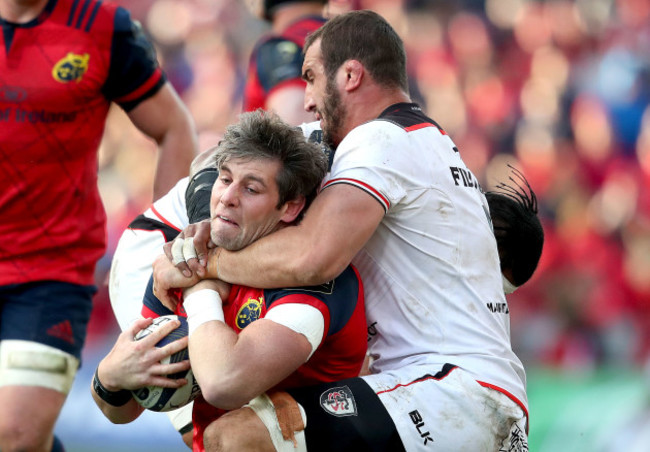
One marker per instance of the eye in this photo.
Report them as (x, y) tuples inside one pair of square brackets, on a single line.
[(225, 180), (251, 190)]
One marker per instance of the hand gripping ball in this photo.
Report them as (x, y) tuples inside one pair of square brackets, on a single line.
[(155, 398)]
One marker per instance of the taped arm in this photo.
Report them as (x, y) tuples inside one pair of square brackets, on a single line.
[(336, 226), (234, 368)]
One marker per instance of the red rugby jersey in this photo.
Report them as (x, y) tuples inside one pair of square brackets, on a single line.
[(58, 75), (341, 352), (277, 61)]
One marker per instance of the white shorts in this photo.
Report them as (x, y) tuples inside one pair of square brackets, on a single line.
[(449, 410)]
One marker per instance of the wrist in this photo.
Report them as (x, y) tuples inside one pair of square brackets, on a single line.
[(116, 398), (213, 263), (105, 380), (204, 284), (202, 306)]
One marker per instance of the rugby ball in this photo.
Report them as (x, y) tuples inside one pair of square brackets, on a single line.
[(155, 398)]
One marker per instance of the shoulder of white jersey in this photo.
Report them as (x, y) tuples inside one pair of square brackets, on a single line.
[(171, 208)]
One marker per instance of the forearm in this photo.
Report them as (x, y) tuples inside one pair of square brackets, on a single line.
[(164, 118), (118, 415), (223, 379), (335, 227), (176, 150), (216, 364), (122, 408), (234, 368), (270, 262)]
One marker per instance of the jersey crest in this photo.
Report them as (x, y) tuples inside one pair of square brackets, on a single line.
[(250, 311), (70, 68)]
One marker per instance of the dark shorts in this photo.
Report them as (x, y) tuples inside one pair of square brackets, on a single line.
[(346, 416), (48, 312)]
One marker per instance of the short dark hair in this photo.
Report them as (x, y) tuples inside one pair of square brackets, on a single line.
[(367, 37), (261, 134), (517, 228)]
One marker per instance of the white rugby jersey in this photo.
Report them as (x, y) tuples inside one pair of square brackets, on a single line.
[(139, 246), (431, 269)]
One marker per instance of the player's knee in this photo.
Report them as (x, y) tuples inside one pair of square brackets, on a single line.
[(213, 437), (16, 438), (34, 380), (231, 432)]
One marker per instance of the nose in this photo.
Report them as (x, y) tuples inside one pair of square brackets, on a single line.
[(229, 195), (309, 104)]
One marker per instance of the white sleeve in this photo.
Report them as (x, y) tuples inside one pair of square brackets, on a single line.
[(301, 318), (370, 158), (171, 208)]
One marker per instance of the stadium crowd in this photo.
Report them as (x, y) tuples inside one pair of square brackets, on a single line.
[(558, 88)]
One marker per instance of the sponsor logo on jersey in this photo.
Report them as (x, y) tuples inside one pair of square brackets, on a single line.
[(339, 402), (372, 331), (249, 312), (417, 420), (70, 68), (516, 442), (464, 177), (498, 308), (12, 94)]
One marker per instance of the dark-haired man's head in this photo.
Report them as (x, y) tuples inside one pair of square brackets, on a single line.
[(517, 229)]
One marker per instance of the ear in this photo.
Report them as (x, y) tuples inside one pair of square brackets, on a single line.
[(354, 73), (292, 209)]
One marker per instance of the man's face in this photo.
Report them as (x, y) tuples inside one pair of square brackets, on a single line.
[(322, 96), (243, 206)]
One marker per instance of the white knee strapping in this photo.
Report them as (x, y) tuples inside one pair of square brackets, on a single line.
[(24, 363), (265, 410), (180, 417)]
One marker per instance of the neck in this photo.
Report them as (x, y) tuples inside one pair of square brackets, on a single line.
[(285, 15), (21, 11), (368, 103)]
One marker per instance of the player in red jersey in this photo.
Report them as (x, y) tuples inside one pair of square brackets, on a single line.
[(274, 337), (274, 80), (62, 63)]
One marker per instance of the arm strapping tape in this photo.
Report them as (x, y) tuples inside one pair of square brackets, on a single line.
[(202, 306)]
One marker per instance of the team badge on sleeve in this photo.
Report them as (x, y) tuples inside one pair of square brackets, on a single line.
[(249, 312), (339, 402)]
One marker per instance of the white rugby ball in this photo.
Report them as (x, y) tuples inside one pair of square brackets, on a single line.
[(155, 398)]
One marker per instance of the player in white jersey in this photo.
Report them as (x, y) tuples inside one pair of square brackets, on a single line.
[(401, 204)]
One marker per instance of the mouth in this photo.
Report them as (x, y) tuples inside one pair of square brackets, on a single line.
[(225, 219)]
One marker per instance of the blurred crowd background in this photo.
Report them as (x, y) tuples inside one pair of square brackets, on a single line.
[(559, 89)]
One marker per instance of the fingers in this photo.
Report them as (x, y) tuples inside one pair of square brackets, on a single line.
[(163, 370), (173, 347), (165, 382), (167, 249), (201, 243), (189, 250), (159, 333), (166, 277), (136, 326), (183, 249)]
